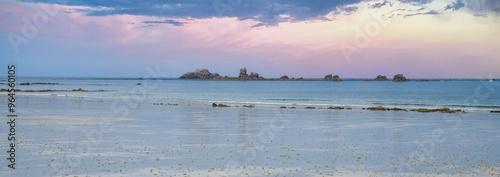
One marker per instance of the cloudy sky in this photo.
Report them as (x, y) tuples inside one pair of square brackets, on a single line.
[(299, 38)]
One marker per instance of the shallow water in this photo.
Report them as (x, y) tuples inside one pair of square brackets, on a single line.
[(81, 135), (470, 95)]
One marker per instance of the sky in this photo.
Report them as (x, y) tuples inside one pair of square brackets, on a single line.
[(298, 38)]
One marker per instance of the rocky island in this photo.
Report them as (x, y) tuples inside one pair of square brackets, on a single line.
[(381, 78), (329, 77), (378, 78), (205, 74), (244, 76), (400, 78), (200, 74)]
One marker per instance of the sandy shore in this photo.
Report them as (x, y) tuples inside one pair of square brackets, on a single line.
[(113, 137)]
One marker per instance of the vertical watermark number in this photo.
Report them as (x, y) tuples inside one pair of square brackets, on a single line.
[(11, 92)]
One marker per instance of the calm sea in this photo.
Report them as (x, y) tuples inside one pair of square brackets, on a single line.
[(471, 95)]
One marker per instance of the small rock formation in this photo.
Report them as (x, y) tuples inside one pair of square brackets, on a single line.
[(285, 77), (243, 72), (399, 78), (43, 83), (381, 108), (329, 77), (244, 76), (442, 110), (219, 105), (200, 74), (254, 75), (381, 78), (79, 90)]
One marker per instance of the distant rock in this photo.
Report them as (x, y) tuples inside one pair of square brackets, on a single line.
[(427, 80), (43, 83), (399, 78), (200, 74), (442, 110), (254, 75), (329, 77), (244, 76), (381, 108), (219, 105), (243, 72), (381, 78), (285, 77), (79, 90)]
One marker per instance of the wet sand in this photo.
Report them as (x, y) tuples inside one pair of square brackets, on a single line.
[(81, 136)]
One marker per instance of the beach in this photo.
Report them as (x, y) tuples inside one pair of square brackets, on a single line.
[(126, 133), (249, 88)]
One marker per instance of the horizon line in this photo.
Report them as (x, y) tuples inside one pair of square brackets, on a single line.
[(174, 78)]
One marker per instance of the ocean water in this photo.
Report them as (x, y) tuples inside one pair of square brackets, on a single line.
[(469, 95)]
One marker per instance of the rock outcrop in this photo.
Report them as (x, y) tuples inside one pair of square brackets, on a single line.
[(329, 77), (442, 110), (219, 105), (381, 78), (399, 78), (200, 74), (381, 108), (244, 76), (285, 77), (243, 72), (254, 75), (337, 107)]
